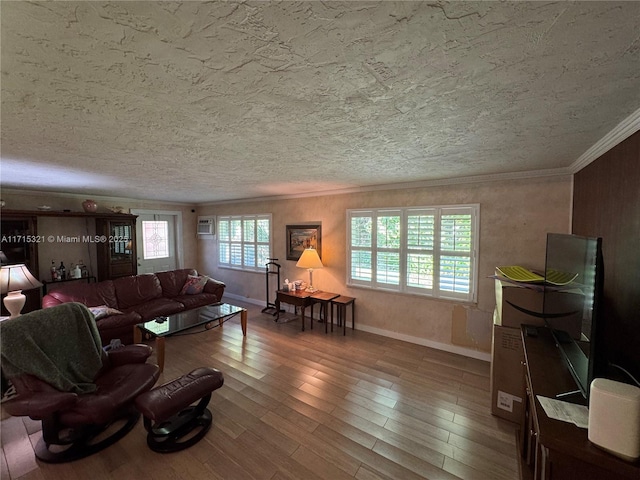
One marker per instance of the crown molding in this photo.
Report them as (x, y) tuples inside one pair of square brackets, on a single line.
[(621, 132), (83, 196), (443, 182), (498, 177)]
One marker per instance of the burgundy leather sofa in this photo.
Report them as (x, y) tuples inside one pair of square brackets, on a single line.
[(140, 298)]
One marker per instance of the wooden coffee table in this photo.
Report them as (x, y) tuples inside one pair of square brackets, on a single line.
[(210, 316)]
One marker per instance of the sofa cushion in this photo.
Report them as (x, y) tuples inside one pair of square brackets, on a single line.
[(196, 301), (158, 307), (137, 290), (103, 311), (90, 294), (194, 285), (172, 281)]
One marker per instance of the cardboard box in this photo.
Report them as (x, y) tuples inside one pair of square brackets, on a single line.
[(507, 374), (513, 302)]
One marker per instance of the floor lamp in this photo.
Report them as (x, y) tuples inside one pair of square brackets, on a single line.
[(310, 260), (14, 279)]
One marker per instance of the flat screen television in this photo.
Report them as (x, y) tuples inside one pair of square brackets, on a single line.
[(571, 306)]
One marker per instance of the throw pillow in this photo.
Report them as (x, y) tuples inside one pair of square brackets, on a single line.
[(194, 285), (104, 311)]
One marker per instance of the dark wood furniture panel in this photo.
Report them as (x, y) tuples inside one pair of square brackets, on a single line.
[(606, 203), (551, 449)]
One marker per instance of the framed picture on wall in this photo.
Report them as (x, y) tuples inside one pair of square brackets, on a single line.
[(300, 237)]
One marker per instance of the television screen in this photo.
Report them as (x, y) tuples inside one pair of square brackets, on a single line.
[(573, 287)]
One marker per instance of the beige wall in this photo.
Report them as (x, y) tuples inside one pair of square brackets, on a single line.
[(73, 226), (514, 219)]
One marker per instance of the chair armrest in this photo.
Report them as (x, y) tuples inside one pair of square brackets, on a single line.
[(137, 353), (39, 405)]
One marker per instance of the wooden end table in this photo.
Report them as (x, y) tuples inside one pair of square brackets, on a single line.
[(324, 299), (298, 298)]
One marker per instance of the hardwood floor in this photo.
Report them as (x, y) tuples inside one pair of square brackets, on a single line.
[(305, 405)]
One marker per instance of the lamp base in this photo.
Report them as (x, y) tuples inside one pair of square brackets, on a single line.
[(14, 301), (311, 289)]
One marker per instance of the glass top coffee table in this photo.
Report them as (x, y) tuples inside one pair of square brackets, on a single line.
[(209, 317)]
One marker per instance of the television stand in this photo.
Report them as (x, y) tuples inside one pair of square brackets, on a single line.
[(552, 449)]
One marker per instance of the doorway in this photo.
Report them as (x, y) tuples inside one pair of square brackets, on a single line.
[(158, 240)]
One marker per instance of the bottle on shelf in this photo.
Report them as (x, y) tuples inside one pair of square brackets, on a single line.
[(54, 271), (62, 271), (77, 272), (83, 269)]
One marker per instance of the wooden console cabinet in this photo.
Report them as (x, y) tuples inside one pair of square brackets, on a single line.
[(116, 255), (551, 449)]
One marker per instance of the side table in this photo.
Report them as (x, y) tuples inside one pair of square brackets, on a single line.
[(88, 279), (341, 303), (324, 299), (297, 298)]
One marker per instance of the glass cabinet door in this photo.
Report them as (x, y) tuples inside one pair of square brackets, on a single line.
[(117, 255), (121, 242)]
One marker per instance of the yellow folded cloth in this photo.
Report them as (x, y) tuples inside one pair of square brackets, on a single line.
[(520, 274)]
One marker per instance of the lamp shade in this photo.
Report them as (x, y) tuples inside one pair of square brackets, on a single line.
[(309, 259), (17, 277)]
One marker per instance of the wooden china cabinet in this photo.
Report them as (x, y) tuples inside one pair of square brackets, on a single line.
[(117, 246)]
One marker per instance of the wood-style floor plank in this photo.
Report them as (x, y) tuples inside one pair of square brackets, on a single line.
[(305, 405)]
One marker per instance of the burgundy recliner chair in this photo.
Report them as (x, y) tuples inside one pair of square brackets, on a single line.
[(64, 378)]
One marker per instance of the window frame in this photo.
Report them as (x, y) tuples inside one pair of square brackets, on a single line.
[(242, 243), (404, 250)]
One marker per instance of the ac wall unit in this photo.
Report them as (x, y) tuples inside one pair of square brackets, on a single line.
[(206, 226)]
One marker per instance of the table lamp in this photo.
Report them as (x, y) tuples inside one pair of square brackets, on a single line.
[(14, 279), (310, 260)]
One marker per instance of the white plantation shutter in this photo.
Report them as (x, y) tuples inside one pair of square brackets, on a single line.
[(244, 241), (387, 235), (455, 251), (420, 250)]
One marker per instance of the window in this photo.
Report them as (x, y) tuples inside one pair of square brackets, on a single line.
[(155, 239), (244, 241), (420, 250)]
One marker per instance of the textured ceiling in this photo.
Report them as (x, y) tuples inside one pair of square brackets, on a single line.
[(210, 101)]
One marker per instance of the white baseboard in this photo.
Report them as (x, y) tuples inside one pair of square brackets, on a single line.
[(465, 352), (253, 301)]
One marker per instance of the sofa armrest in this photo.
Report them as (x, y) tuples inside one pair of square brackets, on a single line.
[(50, 301), (137, 353), (214, 286)]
